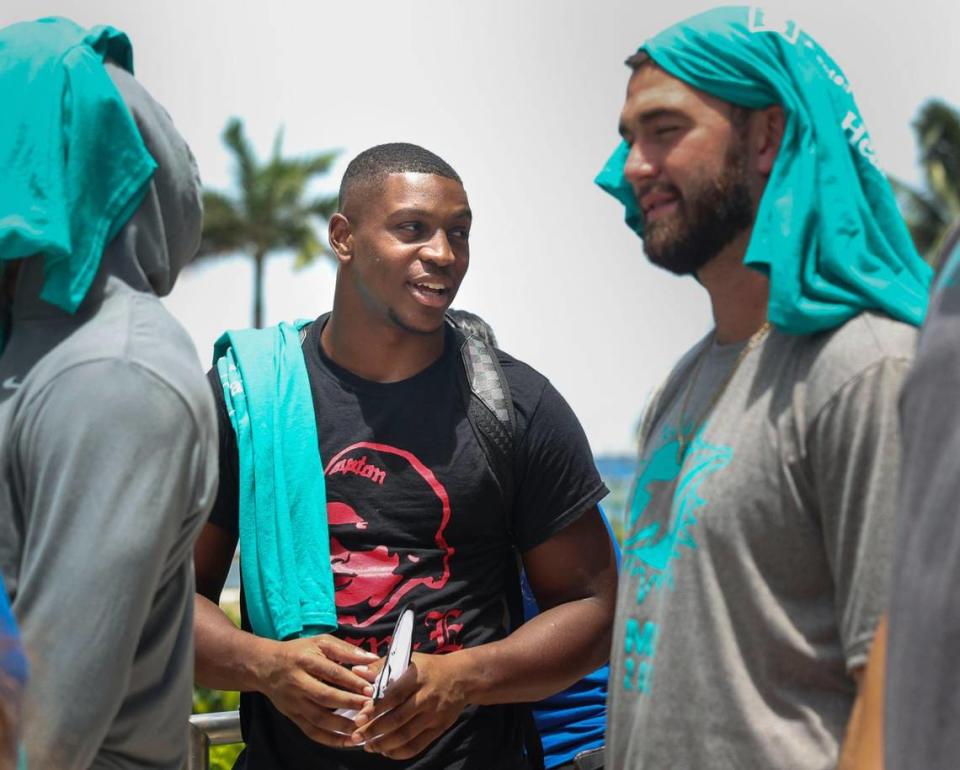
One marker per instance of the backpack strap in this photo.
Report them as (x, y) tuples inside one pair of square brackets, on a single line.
[(492, 416), (489, 407), (305, 329)]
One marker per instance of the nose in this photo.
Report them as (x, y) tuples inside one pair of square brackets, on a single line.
[(437, 250), (639, 167)]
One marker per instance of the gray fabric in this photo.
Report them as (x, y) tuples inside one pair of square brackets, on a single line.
[(923, 677), (107, 472), (754, 574)]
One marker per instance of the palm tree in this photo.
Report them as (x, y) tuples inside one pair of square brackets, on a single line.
[(271, 210), (931, 211)]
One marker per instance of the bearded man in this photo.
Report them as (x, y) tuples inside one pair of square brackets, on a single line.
[(756, 555)]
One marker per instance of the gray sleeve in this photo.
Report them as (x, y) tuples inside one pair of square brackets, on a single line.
[(923, 678), (113, 476), (853, 447)]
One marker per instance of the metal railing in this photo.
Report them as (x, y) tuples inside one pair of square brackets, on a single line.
[(206, 730), (223, 728)]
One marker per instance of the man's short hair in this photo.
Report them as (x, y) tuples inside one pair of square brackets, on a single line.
[(370, 166), (639, 60)]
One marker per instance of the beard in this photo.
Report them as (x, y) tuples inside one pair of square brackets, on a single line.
[(706, 219)]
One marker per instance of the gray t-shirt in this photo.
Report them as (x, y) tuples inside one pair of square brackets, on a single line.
[(923, 677), (108, 468), (755, 566)]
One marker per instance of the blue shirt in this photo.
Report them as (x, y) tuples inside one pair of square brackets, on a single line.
[(574, 720)]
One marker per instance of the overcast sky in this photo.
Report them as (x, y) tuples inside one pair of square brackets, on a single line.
[(522, 98)]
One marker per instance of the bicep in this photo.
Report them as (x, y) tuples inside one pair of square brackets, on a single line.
[(577, 562), (212, 557)]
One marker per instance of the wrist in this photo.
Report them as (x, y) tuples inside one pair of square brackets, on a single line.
[(261, 658), (470, 673)]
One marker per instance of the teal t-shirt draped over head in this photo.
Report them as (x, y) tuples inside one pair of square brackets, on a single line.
[(73, 166), (827, 233)]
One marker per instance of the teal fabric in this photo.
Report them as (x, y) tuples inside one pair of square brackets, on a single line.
[(284, 539), (828, 233), (73, 167)]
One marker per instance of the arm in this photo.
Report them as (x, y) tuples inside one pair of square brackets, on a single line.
[(863, 745), (306, 679), (109, 519), (855, 444), (574, 577)]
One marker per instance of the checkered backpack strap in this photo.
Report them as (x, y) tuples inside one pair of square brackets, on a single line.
[(490, 408), (494, 421)]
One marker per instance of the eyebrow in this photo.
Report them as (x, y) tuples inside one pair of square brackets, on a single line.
[(464, 213), (650, 116)]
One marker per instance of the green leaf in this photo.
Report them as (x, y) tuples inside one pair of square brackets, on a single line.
[(271, 208)]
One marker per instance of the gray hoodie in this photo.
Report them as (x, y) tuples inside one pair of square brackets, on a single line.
[(108, 468)]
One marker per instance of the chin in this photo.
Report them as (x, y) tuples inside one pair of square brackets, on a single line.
[(422, 326)]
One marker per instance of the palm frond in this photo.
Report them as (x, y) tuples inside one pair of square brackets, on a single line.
[(273, 209), (224, 229), (236, 139), (938, 134)]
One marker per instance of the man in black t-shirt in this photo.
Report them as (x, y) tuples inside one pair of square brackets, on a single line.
[(415, 515)]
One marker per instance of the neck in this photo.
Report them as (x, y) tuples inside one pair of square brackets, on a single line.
[(738, 293), (379, 351)]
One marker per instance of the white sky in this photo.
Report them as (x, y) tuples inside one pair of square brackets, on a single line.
[(522, 98)]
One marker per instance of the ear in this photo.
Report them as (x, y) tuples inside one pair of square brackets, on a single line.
[(340, 236), (768, 128)]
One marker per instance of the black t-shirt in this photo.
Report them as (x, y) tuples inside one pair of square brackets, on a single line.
[(416, 515)]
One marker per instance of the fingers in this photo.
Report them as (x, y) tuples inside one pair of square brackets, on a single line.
[(417, 708), (335, 675), (325, 727), (343, 652), (399, 692), (369, 673), (408, 739), (390, 713), (329, 697)]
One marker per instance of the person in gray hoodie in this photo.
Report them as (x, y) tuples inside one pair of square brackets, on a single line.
[(108, 469)]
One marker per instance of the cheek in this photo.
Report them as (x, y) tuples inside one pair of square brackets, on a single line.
[(688, 166)]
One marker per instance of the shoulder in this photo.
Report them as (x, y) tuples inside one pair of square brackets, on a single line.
[(543, 415), (131, 360), (528, 389), (152, 345), (134, 337), (832, 360), (114, 394), (526, 383)]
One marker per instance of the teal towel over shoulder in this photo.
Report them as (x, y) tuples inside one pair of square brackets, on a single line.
[(73, 167), (284, 538), (828, 233)]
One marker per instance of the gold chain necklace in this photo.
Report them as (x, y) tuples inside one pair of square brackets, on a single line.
[(685, 435)]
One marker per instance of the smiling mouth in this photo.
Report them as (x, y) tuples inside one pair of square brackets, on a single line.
[(429, 293), (660, 208)]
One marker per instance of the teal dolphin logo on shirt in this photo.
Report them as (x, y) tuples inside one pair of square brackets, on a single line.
[(658, 533), (654, 542)]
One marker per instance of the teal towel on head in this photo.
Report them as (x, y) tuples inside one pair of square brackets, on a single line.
[(73, 167), (828, 233), (284, 538)]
